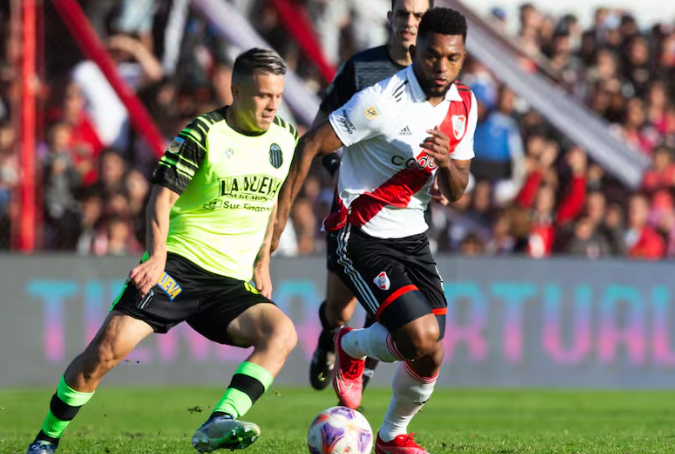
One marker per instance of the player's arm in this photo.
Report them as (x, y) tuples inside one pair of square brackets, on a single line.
[(146, 275), (261, 272), (330, 161), (454, 178), (453, 169), (352, 123), (319, 140), (265, 252), (171, 177), (338, 94)]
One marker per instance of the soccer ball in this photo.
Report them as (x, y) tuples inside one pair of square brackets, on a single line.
[(340, 430)]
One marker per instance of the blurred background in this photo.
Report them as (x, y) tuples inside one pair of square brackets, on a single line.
[(75, 157), (572, 188)]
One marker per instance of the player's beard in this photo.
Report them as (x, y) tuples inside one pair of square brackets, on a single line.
[(432, 91)]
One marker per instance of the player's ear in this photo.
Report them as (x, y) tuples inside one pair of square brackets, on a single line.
[(389, 20), (413, 51), (235, 91)]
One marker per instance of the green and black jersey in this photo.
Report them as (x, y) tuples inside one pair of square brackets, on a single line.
[(228, 185)]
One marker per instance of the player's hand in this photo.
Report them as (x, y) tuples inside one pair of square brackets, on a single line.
[(437, 145), (146, 275), (262, 278)]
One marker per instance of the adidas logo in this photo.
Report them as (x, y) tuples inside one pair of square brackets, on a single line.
[(405, 131)]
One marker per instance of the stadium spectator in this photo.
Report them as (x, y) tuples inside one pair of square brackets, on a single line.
[(84, 142), (9, 177), (111, 176), (116, 238), (642, 240), (622, 69), (498, 142), (91, 209), (539, 195), (661, 175), (304, 225), (502, 241), (137, 66), (61, 180)]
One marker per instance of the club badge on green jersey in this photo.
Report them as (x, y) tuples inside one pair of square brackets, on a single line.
[(276, 156)]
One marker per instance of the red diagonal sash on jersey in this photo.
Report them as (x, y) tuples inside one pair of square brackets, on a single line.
[(396, 191), (399, 189)]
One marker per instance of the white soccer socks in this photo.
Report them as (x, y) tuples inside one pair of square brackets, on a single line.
[(411, 392), (374, 342)]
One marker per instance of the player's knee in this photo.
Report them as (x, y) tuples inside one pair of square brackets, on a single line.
[(283, 337), (420, 338), (436, 356)]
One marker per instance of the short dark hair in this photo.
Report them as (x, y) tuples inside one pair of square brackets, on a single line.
[(444, 21), (393, 4), (263, 60)]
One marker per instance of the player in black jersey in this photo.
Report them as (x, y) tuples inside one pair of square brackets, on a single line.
[(364, 69)]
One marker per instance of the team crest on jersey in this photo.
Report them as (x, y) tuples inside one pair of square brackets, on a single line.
[(229, 153), (276, 156), (176, 145), (458, 125), (382, 281), (372, 113)]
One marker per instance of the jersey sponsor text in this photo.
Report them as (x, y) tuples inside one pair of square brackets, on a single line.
[(250, 187)]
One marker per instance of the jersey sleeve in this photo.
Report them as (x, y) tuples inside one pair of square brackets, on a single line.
[(182, 158), (464, 149), (365, 116), (341, 90)]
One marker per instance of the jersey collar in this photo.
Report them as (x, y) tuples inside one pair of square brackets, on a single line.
[(418, 94)]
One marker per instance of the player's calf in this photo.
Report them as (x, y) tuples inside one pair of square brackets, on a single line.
[(116, 338), (118, 335), (274, 341), (272, 335), (334, 313), (413, 386)]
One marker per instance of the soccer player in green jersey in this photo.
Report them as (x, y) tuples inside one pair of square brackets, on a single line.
[(210, 219)]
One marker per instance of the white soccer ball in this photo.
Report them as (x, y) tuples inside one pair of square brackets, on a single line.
[(340, 430)]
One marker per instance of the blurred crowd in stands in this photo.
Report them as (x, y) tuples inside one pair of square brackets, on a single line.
[(532, 192)]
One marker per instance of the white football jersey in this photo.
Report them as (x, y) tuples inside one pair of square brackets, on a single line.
[(384, 174)]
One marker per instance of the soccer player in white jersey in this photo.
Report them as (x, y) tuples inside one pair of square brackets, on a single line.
[(398, 135), (362, 70)]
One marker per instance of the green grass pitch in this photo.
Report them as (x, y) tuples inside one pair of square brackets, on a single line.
[(162, 420)]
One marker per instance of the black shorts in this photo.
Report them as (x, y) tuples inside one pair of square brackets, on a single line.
[(208, 302), (331, 241), (332, 264), (395, 280)]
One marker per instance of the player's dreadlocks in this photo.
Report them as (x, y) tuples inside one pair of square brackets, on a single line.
[(264, 60), (444, 21)]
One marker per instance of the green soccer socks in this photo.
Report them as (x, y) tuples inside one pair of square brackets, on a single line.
[(65, 404), (249, 382)]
